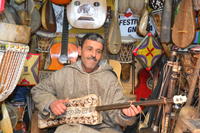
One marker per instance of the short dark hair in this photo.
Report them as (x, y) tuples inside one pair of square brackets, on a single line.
[(94, 37)]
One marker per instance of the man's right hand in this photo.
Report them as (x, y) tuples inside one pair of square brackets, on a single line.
[(58, 107)]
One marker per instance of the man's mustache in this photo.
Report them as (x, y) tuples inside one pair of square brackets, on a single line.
[(92, 58)]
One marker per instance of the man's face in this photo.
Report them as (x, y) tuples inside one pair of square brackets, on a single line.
[(91, 53)]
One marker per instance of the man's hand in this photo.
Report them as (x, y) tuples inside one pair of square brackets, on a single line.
[(58, 106), (132, 110)]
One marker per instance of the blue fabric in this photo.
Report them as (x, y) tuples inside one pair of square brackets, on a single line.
[(19, 94)]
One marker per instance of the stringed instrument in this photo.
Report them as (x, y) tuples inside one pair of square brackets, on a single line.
[(114, 37), (86, 14), (64, 52), (48, 17), (183, 31), (85, 110), (142, 26)]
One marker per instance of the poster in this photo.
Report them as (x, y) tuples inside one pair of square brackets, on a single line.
[(128, 25)]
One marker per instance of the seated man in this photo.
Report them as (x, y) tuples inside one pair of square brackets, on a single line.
[(89, 75)]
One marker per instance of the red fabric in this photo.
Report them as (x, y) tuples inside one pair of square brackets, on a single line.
[(143, 90)]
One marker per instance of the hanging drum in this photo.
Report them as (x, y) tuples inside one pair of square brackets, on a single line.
[(125, 54), (125, 57), (12, 58)]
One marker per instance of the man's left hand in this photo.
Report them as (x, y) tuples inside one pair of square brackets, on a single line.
[(132, 110)]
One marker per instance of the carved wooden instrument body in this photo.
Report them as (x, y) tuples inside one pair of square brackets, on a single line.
[(85, 110), (87, 14), (55, 53), (48, 17), (184, 25), (114, 36), (142, 27)]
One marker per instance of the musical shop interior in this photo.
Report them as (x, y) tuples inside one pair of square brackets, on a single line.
[(152, 48)]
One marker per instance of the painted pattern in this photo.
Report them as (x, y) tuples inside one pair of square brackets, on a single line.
[(148, 51)]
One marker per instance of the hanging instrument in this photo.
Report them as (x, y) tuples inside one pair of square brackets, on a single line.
[(63, 53), (12, 58), (183, 31), (86, 14)]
